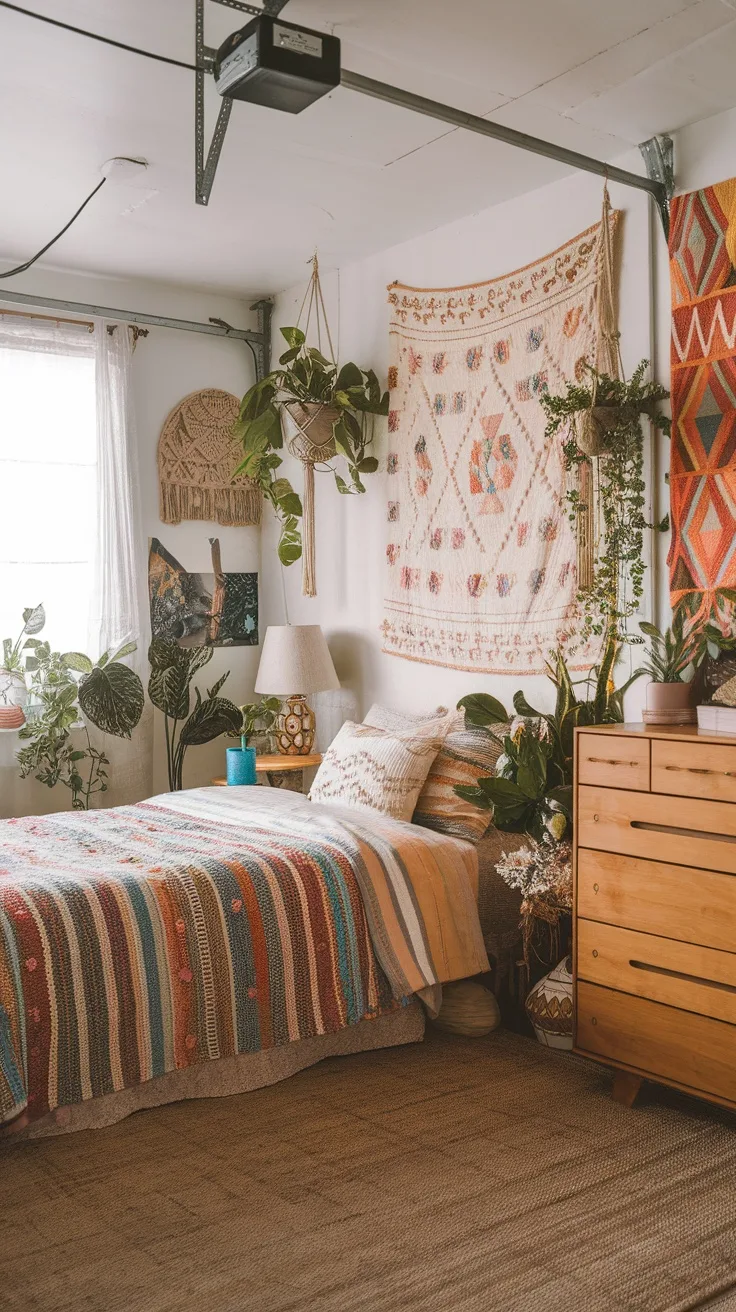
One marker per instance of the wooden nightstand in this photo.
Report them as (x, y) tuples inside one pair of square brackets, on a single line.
[(282, 771)]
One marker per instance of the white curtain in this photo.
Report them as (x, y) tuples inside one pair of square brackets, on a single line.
[(117, 611)]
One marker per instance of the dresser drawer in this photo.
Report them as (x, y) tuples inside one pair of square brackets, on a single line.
[(662, 1041), (693, 769), (678, 974), (681, 830), (678, 902), (613, 762)]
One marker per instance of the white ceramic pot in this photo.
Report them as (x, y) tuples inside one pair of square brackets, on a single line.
[(13, 691), (549, 1006)]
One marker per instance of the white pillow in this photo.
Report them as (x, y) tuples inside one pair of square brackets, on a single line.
[(373, 770), (384, 717)]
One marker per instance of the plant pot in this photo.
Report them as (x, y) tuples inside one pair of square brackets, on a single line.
[(13, 691), (549, 1007), (241, 765), (669, 703), (311, 430)]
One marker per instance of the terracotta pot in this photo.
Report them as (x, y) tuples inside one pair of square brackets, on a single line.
[(669, 703)]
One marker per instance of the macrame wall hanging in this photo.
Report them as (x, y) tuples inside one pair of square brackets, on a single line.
[(197, 454), (309, 428), (590, 431)]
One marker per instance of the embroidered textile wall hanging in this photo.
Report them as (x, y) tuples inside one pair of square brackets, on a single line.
[(201, 610), (481, 556), (197, 454), (702, 556)]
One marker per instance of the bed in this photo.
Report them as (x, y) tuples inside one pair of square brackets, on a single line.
[(213, 940)]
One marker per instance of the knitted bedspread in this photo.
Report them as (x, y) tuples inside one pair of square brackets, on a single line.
[(143, 939)]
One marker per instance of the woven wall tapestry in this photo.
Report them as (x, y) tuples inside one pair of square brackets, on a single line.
[(703, 452), (197, 455), (201, 610), (481, 556)]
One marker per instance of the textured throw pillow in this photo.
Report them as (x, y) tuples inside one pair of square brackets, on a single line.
[(372, 770), (466, 755), (384, 717)]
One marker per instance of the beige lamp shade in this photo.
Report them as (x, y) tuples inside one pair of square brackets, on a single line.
[(295, 659)]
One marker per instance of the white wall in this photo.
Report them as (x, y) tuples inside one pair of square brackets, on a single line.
[(168, 364), (351, 531)]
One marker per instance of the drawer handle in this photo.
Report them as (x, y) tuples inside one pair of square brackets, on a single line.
[(681, 974), (691, 769), (604, 760), (681, 833)]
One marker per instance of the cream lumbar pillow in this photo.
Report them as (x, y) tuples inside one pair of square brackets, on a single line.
[(373, 770)]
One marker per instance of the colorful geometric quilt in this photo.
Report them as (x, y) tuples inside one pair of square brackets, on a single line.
[(144, 939), (481, 556), (703, 457)]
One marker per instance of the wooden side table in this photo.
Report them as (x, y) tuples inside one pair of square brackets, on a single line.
[(282, 771)]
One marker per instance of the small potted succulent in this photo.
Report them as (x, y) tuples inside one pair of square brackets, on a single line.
[(675, 660), (257, 718)]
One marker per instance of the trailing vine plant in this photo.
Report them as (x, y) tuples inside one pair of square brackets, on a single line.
[(616, 407)]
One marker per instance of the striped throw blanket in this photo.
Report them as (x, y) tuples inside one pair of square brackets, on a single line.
[(142, 939)]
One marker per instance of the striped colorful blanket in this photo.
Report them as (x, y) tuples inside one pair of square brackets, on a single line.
[(142, 939)]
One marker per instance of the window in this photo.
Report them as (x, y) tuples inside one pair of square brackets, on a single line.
[(48, 483)]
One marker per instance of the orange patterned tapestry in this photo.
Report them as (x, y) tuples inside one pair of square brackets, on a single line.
[(481, 555), (702, 557)]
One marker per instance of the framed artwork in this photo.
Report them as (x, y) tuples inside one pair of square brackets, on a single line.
[(214, 609)]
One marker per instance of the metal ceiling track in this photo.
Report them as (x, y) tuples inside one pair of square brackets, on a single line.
[(657, 152)]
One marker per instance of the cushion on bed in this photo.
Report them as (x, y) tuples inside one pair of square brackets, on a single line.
[(466, 755), (385, 717), (374, 770)]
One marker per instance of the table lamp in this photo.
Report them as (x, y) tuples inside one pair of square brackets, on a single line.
[(295, 656)]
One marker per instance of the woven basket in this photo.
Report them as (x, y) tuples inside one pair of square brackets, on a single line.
[(310, 433), (468, 1009)]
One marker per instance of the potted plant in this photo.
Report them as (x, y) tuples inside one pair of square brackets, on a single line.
[(327, 410), (674, 660), (13, 688), (72, 693), (172, 670), (601, 416), (241, 761)]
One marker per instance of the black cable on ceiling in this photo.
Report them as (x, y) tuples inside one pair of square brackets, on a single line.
[(9, 273), (95, 36)]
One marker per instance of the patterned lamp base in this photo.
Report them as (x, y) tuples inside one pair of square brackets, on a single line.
[(295, 727)]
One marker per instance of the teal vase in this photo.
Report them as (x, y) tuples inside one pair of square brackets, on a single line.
[(241, 765)]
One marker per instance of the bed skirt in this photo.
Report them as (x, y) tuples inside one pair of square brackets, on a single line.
[(230, 1075)]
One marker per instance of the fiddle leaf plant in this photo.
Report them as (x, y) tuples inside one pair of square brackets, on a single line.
[(172, 671), (71, 693), (306, 377)]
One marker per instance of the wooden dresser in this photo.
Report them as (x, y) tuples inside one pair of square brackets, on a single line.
[(655, 907)]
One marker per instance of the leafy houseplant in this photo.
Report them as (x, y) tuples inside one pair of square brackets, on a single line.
[(531, 791), (13, 690), (328, 406), (71, 693), (614, 409), (677, 654), (169, 688)]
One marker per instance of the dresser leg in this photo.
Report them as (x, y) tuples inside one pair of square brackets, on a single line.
[(626, 1087)]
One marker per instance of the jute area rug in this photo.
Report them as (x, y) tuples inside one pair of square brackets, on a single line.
[(450, 1176)]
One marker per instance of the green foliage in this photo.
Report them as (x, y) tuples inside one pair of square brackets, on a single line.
[(677, 654), (34, 618), (618, 585), (65, 687), (261, 716), (172, 670), (305, 375), (531, 791)]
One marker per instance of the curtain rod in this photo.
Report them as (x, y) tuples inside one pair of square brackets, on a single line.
[(78, 323), (134, 317)]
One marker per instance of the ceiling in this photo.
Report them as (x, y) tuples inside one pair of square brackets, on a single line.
[(350, 175)]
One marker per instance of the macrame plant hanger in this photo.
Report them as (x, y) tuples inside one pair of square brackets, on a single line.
[(590, 431), (310, 428)]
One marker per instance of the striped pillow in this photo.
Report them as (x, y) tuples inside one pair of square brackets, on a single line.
[(466, 756), (372, 770)]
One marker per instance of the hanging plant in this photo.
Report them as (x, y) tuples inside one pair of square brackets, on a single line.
[(327, 412), (603, 418)]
